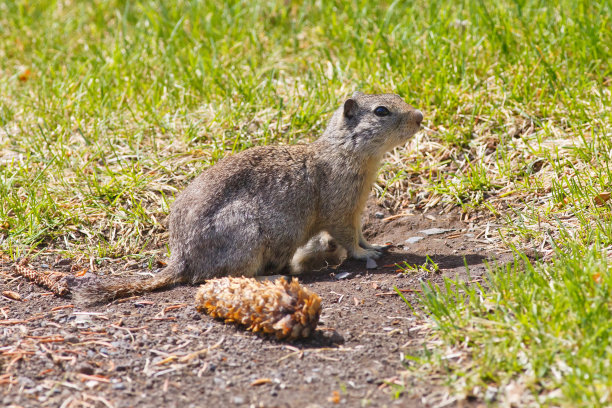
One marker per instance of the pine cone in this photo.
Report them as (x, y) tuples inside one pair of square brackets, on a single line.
[(52, 281), (286, 309)]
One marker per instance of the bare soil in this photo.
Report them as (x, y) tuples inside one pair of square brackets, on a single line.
[(157, 350)]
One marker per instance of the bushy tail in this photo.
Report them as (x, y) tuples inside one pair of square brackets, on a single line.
[(105, 292)]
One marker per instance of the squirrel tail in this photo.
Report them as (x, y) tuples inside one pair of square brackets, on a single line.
[(105, 292)]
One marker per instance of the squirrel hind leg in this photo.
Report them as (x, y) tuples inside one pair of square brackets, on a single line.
[(320, 251)]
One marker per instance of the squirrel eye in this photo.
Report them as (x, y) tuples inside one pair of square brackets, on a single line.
[(381, 111)]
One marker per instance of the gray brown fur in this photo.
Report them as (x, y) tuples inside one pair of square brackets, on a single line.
[(249, 214)]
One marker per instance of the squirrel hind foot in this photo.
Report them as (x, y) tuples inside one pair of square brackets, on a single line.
[(320, 251)]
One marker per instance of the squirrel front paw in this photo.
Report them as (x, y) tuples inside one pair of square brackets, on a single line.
[(363, 254), (379, 248)]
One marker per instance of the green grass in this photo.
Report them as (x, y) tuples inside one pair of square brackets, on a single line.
[(543, 330), (108, 108)]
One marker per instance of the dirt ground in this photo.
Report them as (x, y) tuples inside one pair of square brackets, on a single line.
[(157, 350)]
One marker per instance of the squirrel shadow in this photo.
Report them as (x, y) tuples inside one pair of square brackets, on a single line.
[(392, 261)]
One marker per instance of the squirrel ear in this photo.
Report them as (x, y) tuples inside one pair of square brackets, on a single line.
[(350, 108)]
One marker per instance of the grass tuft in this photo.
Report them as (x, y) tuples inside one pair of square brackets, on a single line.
[(541, 331)]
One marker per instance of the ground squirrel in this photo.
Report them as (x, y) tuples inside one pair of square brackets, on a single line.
[(255, 212)]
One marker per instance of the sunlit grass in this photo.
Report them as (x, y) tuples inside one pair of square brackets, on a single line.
[(541, 331)]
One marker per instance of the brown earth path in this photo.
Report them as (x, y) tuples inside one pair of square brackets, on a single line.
[(157, 351)]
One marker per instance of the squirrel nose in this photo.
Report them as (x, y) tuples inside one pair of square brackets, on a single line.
[(418, 116)]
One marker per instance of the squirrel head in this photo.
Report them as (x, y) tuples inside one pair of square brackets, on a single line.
[(373, 124)]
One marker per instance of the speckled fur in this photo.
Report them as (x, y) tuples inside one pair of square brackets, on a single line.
[(248, 214)]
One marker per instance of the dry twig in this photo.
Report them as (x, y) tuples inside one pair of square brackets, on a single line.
[(395, 293)]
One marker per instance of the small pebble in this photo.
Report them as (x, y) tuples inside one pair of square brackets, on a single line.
[(413, 240), (435, 231), (63, 262), (379, 215), (490, 394), (371, 264), (85, 369), (342, 275), (26, 382), (84, 319), (118, 386)]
